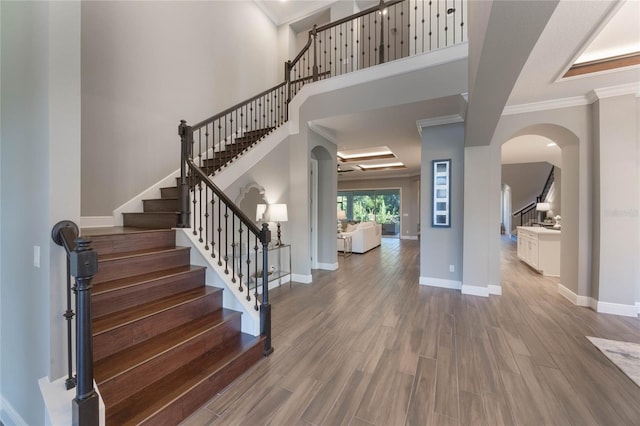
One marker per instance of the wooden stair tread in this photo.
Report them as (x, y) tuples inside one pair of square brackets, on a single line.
[(155, 397), (117, 230), (114, 285), (120, 362), (127, 316), (137, 253)]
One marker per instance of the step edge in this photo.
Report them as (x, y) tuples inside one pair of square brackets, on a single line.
[(140, 253), (145, 281)]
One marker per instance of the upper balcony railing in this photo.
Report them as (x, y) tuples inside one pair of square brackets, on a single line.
[(392, 30)]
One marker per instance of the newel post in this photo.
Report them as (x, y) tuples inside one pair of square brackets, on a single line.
[(83, 263), (186, 143), (265, 306)]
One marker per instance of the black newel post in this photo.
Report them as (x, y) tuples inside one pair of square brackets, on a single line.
[(381, 50), (186, 141), (84, 264), (265, 307), (314, 34)]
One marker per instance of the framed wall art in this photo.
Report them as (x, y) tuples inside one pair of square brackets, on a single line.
[(441, 208)]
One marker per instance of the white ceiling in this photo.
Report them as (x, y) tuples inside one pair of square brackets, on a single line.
[(572, 29)]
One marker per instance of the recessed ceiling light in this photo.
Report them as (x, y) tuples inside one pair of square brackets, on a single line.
[(387, 166), (552, 144), (379, 153)]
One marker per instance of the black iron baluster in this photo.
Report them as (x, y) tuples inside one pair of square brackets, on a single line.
[(213, 220), (226, 239), (446, 24), (219, 232), (239, 258), (248, 266), (255, 288), (233, 248), (200, 207), (461, 21), (68, 315), (206, 219)]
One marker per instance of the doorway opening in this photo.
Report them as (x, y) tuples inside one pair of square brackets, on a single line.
[(373, 205)]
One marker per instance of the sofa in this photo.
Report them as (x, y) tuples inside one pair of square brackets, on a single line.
[(364, 236)]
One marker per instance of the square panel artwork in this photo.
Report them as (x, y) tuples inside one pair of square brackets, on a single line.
[(441, 194)]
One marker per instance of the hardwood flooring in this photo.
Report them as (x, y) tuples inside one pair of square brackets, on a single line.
[(366, 345)]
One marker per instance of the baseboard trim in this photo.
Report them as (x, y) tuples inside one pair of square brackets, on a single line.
[(495, 290), (475, 290), (598, 306), (409, 237), (302, 279), (617, 309), (327, 266), (96, 221), (439, 282), (574, 298), (9, 415)]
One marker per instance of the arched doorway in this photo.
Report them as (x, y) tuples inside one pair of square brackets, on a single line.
[(573, 224), (322, 209)]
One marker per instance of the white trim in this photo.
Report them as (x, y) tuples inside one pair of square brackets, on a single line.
[(302, 279), (638, 306), (617, 309), (13, 417), (96, 221), (495, 290), (409, 237), (475, 290), (610, 92), (438, 121), (546, 105), (327, 266), (439, 282), (323, 131), (573, 297)]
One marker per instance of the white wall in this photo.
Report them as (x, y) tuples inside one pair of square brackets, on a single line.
[(40, 186), (441, 247), (145, 66)]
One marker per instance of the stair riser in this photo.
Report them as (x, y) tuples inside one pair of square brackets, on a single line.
[(125, 267), (108, 244), (183, 407), (125, 385), (161, 205), (171, 192), (106, 303), (150, 220), (112, 341)]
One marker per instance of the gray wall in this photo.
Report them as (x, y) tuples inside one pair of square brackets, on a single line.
[(617, 178), (441, 247), (409, 214), (40, 172), (145, 66)]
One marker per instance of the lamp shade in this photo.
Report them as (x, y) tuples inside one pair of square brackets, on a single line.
[(277, 213), (342, 215), (543, 207)]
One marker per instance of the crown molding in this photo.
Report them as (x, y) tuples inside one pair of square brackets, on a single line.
[(610, 92), (438, 121), (546, 105), (324, 132)]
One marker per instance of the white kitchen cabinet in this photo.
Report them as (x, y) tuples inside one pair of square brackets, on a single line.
[(540, 248)]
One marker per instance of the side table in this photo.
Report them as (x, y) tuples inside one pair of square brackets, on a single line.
[(347, 246)]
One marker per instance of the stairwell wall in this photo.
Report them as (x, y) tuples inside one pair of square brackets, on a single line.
[(145, 66)]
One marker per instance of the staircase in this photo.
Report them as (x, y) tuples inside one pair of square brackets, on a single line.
[(162, 343), (164, 212)]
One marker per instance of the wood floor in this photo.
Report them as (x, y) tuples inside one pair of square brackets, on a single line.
[(366, 345)]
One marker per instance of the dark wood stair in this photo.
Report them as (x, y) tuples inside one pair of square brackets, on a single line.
[(164, 212), (163, 345)]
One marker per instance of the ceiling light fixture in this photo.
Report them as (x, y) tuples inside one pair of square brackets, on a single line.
[(378, 167), (550, 144), (365, 155)]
